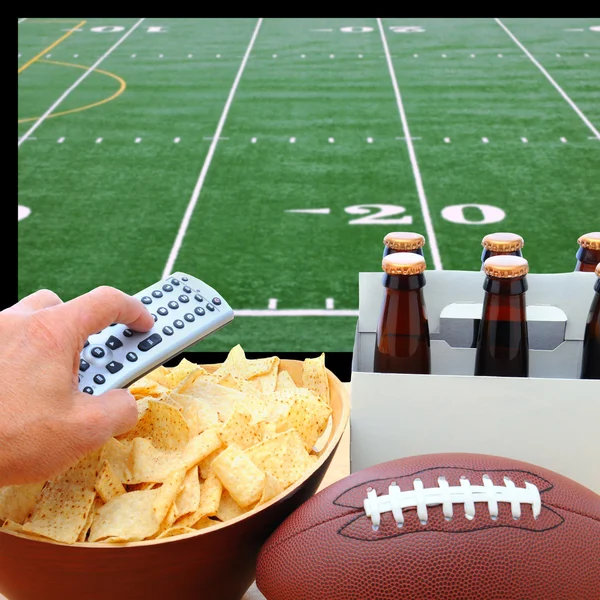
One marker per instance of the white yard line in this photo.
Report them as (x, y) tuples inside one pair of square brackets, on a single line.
[(21, 20), (296, 312), (431, 239), (77, 82), (550, 79), (198, 188)]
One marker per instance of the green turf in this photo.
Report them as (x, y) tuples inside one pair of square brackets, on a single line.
[(109, 213)]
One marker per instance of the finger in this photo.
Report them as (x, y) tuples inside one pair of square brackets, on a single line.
[(121, 410), (37, 301), (104, 305)]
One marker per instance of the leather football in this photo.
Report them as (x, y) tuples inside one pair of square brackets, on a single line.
[(439, 527)]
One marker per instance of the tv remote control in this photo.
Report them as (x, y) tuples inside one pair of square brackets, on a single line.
[(185, 310)]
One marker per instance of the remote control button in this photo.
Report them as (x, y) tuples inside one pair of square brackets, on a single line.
[(210, 306), (173, 305), (113, 343), (88, 390), (217, 301), (175, 281), (157, 294), (113, 366), (154, 317), (187, 289), (167, 287), (184, 299), (199, 298), (168, 330), (184, 279), (178, 323), (147, 300), (98, 352), (189, 317), (83, 365), (150, 342), (127, 333), (199, 311), (162, 311), (86, 344), (99, 379), (131, 356)]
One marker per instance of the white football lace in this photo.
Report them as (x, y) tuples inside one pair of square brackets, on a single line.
[(466, 494)]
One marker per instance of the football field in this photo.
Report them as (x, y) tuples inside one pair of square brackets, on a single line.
[(269, 157)]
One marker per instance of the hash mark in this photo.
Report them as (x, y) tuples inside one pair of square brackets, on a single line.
[(272, 303), (253, 140), (161, 56), (274, 55), (177, 140), (48, 55), (563, 140), (524, 140), (303, 56), (485, 140), (292, 140), (60, 140), (369, 140), (360, 56), (218, 56), (331, 140), (558, 55), (189, 55), (416, 55), (133, 55), (447, 140), (586, 54), (472, 55), (332, 56), (99, 140), (329, 304), (500, 55), (75, 55), (138, 140), (444, 56)]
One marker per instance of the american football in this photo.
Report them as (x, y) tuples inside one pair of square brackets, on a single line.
[(439, 526)]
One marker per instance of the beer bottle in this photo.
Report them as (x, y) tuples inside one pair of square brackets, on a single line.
[(590, 366), (403, 241), (402, 344), (588, 255), (499, 243), (502, 342)]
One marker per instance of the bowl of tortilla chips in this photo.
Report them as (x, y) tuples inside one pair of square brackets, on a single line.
[(179, 506)]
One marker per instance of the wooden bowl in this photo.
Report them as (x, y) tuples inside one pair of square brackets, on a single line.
[(217, 563)]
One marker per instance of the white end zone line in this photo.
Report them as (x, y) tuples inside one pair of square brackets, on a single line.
[(431, 239), (77, 82), (295, 312), (550, 79), (198, 188)]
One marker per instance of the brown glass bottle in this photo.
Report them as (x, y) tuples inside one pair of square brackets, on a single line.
[(590, 365), (402, 344), (403, 241), (588, 255), (501, 243), (503, 342)]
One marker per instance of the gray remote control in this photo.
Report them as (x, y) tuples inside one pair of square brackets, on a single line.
[(185, 310)]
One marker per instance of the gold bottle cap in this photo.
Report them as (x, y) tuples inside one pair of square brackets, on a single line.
[(591, 241), (502, 242), (506, 266), (403, 241), (403, 263)]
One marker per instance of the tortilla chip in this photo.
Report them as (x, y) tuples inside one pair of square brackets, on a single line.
[(163, 425), (210, 497), (239, 475), (9, 525), (150, 464), (268, 381), (284, 456), (198, 414), (108, 485), (273, 488), (204, 522), (117, 454), (314, 377), (188, 499), (171, 377), (240, 428), (238, 365), (205, 464), (147, 387), (220, 398), (177, 530), (308, 415), (229, 508), (268, 430), (284, 382), (90, 518), (136, 515), (17, 501), (74, 489)]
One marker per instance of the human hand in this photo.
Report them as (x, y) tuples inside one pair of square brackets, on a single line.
[(46, 423)]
